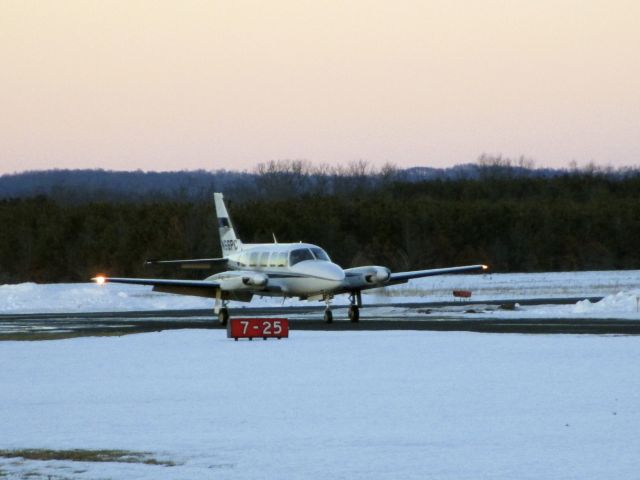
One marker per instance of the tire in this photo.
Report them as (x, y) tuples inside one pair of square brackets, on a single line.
[(354, 313), (223, 317), (328, 316)]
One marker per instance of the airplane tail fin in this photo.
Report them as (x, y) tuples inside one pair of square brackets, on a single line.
[(229, 242)]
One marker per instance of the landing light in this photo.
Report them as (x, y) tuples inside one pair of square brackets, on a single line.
[(100, 280), (485, 267)]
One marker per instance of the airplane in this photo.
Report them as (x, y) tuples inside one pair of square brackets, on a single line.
[(275, 269)]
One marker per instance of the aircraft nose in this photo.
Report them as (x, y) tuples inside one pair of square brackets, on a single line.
[(329, 271), (322, 270), (334, 272)]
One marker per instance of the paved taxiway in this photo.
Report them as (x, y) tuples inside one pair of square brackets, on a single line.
[(40, 326)]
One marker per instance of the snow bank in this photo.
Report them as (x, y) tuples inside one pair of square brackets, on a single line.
[(620, 303), (89, 297), (518, 285)]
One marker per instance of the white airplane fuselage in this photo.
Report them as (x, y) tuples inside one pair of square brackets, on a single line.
[(282, 269)]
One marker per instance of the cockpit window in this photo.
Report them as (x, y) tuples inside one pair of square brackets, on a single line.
[(299, 255), (320, 254)]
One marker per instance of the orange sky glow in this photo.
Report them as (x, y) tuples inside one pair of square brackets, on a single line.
[(158, 85)]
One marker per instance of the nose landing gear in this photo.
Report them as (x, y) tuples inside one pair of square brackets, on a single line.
[(328, 314)]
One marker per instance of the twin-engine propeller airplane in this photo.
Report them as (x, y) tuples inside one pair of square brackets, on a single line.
[(277, 269)]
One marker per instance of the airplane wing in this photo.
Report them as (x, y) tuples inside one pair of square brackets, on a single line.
[(198, 288), (195, 263), (401, 277), (365, 278)]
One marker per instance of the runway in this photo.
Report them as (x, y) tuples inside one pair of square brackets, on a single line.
[(423, 317)]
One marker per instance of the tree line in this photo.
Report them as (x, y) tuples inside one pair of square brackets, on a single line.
[(580, 220), (270, 180)]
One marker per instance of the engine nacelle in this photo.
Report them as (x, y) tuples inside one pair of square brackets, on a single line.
[(377, 275), (230, 281), (255, 280)]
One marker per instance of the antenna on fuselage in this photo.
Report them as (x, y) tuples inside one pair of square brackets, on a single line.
[(275, 240)]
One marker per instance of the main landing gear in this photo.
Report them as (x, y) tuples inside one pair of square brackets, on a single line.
[(220, 309), (223, 316), (355, 298)]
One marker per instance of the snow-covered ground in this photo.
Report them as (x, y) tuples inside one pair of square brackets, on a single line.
[(622, 289), (346, 405)]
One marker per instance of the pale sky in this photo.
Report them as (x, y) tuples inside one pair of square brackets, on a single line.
[(176, 85)]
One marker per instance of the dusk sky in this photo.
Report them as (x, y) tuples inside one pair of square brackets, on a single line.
[(158, 85)]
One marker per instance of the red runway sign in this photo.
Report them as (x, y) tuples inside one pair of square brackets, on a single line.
[(258, 327), (462, 293)]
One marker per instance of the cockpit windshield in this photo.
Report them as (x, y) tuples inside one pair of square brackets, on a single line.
[(299, 255), (320, 254)]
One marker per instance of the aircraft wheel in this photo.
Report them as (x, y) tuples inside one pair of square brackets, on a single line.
[(328, 316), (223, 317), (354, 313)]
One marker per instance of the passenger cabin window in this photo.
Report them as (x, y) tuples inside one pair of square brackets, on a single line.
[(253, 259), (264, 259), (320, 254), (281, 259), (273, 259), (299, 255)]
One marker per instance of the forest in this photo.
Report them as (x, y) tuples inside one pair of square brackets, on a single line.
[(514, 222)]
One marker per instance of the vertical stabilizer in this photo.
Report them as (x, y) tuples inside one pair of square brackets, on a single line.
[(228, 240)]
